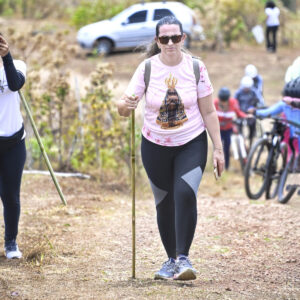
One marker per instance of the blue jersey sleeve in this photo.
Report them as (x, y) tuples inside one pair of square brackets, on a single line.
[(272, 110)]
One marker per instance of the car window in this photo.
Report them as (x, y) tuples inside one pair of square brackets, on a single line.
[(138, 17), (160, 13)]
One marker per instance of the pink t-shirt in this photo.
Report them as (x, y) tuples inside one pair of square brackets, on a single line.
[(172, 116)]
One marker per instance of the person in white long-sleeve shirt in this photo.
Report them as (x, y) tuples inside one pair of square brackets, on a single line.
[(12, 145), (272, 24)]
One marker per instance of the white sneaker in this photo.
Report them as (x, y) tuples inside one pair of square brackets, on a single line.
[(11, 250)]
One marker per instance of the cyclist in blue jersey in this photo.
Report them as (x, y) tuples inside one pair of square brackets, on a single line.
[(251, 71), (249, 100)]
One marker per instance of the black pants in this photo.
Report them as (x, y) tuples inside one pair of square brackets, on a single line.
[(175, 174), (12, 162), (271, 33), (226, 140)]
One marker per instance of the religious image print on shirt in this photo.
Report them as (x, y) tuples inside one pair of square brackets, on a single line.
[(171, 112)]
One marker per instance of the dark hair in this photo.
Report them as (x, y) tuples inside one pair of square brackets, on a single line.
[(153, 49), (270, 4), (168, 20)]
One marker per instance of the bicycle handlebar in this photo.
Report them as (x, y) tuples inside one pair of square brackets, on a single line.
[(281, 120), (286, 121)]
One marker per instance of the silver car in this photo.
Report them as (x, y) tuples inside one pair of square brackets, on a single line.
[(135, 26)]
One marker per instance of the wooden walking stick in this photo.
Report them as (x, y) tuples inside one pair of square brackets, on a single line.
[(42, 148), (133, 188)]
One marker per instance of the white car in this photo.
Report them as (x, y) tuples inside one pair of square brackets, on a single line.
[(135, 26)]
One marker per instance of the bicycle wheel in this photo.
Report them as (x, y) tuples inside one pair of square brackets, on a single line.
[(242, 153), (286, 187), (256, 169), (277, 167)]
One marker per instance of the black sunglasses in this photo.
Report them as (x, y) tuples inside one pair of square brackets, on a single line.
[(165, 39)]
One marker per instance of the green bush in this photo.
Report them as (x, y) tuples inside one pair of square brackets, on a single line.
[(89, 12)]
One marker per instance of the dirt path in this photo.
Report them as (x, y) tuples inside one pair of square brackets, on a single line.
[(242, 250)]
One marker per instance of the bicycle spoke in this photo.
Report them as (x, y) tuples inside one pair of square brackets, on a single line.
[(278, 165), (289, 182)]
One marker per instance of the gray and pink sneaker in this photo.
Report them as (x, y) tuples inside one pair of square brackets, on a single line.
[(184, 269), (167, 270)]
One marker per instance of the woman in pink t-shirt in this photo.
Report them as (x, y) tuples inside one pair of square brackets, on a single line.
[(174, 142)]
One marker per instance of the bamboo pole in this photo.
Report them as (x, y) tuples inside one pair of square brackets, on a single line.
[(133, 188), (42, 148)]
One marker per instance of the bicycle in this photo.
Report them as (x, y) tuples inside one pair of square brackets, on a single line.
[(288, 182), (266, 162)]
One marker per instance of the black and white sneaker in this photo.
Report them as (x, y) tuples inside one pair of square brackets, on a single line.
[(184, 269), (11, 250)]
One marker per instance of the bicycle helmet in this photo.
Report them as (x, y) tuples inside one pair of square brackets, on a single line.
[(293, 70), (246, 82), (251, 71), (292, 88), (224, 94)]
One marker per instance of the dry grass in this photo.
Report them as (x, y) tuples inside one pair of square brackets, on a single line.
[(242, 249)]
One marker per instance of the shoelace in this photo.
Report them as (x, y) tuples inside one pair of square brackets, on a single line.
[(169, 265), (184, 262)]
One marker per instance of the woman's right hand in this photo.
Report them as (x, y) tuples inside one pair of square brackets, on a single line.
[(131, 102), (127, 104)]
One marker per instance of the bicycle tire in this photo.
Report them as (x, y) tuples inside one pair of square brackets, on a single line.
[(241, 159), (277, 166), (256, 165), (282, 197)]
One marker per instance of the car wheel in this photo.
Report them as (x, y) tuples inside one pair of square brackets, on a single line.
[(104, 46), (187, 42)]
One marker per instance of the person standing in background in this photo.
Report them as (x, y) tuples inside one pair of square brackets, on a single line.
[(252, 72), (272, 25), (248, 98), (12, 145)]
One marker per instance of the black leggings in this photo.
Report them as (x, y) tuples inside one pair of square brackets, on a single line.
[(12, 162), (271, 42), (175, 174)]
